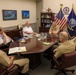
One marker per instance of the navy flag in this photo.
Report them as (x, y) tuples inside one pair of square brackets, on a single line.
[(71, 27)]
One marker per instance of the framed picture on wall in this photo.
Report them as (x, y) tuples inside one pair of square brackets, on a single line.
[(9, 14), (25, 14)]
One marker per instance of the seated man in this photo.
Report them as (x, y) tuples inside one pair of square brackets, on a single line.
[(4, 39), (7, 61), (54, 29), (27, 30), (66, 45)]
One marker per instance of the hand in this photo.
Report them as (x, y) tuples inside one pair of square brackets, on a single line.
[(12, 59), (54, 50), (12, 40), (50, 32), (34, 33)]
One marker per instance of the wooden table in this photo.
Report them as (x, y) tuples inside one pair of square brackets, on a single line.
[(34, 49)]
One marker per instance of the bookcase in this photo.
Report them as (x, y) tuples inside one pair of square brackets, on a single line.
[(46, 21)]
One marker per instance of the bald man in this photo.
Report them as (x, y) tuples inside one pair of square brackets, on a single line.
[(27, 30), (66, 46)]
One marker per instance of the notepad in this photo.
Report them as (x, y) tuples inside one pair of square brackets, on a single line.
[(46, 43), (17, 49)]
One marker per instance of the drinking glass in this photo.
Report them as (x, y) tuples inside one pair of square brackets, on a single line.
[(45, 37)]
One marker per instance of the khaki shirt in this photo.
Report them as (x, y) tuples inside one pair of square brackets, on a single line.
[(52, 28), (4, 59), (74, 40), (65, 47)]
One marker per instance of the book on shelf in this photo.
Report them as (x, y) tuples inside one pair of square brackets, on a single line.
[(47, 26), (16, 50)]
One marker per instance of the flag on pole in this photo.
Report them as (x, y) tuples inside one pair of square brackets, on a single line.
[(60, 19), (71, 27)]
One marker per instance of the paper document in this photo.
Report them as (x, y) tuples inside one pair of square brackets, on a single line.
[(46, 43), (17, 49)]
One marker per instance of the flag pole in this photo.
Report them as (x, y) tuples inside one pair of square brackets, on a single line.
[(61, 6), (60, 10), (73, 6)]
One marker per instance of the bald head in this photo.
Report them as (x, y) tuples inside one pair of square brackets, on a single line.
[(63, 35), (27, 24)]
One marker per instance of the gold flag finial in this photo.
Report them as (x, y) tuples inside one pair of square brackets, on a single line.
[(73, 6), (61, 5)]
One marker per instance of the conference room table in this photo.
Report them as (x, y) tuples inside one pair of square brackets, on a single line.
[(34, 48)]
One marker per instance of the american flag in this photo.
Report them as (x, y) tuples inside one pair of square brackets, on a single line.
[(60, 19)]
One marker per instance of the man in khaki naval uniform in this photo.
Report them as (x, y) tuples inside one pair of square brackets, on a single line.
[(6, 61), (66, 45), (54, 29)]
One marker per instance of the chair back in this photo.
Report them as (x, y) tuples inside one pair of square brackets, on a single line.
[(21, 33), (66, 60)]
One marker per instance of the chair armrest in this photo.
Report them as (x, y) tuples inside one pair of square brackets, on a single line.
[(9, 69)]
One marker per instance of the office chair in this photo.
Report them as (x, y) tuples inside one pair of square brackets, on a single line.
[(21, 33), (67, 60), (11, 70), (5, 48)]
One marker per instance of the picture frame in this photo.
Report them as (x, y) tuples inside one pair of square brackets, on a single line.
[(25, 14), (9, 14)]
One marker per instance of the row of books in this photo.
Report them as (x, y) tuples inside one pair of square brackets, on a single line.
[(46, 21), (46, 25), (45, 16)]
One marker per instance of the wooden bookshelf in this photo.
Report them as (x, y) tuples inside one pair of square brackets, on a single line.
[(46, 21)]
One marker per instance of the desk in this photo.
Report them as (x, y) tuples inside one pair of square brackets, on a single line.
[(34, 50)]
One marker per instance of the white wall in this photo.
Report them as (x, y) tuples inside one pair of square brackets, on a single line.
[(39, 6), (55, 5), (18, 5)]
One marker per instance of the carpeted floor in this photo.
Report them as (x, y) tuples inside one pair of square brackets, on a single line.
[(44, 69)]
